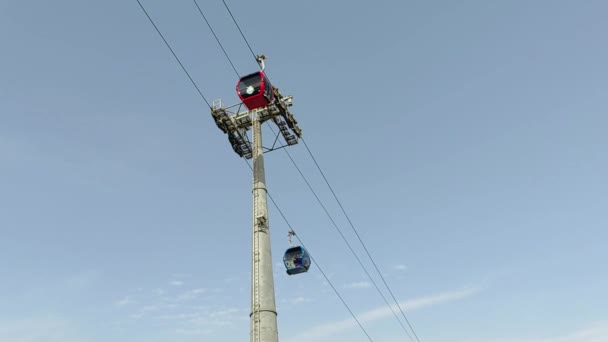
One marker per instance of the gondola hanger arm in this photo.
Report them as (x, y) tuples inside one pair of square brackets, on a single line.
[(260, 59), (289, 236)]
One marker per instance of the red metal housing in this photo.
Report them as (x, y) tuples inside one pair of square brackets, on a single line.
[(255, 90)]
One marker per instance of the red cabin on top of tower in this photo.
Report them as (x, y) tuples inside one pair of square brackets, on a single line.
[(255, 90)]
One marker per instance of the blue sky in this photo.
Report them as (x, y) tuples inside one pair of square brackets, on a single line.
[(466, 140)]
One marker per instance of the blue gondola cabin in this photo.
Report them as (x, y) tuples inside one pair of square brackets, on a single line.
[(296, 260), (255, 90)]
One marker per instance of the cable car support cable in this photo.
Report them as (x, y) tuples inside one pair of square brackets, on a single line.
[(174, 55), (272, 200), (358, 236), (348, 244), (292, 231), (274, 203), (269, 196), (241, 31), (216, 38), (343, 210)]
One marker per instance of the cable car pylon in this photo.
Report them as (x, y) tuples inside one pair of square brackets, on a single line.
[(264, 103)]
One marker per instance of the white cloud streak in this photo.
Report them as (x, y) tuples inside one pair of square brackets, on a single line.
[(158, 292), (358, 285), (195, 332), (191, 294), (36, 329), (82, 279), (325, 330), (596, 332), (125, 301), (299, 300)]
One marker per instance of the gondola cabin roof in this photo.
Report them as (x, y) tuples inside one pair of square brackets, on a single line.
[(296, 249), (255, 90)]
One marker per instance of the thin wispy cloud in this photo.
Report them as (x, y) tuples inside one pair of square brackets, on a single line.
[(192, 294), (207, 322), (158, 292), (146, 311), (231, 279), (181, 275), (124, 301), (299, 300), (179, 307), (596, 332), (400, 267), (34, 329), (195, 332), (358, 285), (137, 315), (178, 316), (150, 308), (82, 279), (333, 328), (183, 310)]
